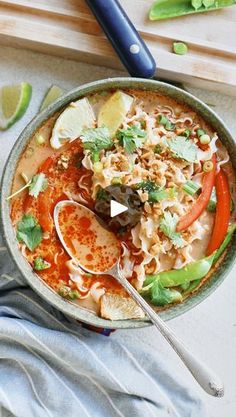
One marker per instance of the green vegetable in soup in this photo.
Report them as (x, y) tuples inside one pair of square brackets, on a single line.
[(160, 296), (180, 48), (187, 278), (191, 187), (131, 138), (40, 264), (166, 9), (155, 193), (168, 226), (29, 231), (66, 292), (38, 184), (95, 140)]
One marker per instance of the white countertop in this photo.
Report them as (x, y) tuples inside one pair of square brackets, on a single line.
[(210, 328)]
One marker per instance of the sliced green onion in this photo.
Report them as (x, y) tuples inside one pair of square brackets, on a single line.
[(158, 149), (162, 120), (211, 207), (191, 187), (200, 132), (169, 125), (180, 48)]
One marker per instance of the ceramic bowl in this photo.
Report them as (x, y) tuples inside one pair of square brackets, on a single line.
[(34, 281)]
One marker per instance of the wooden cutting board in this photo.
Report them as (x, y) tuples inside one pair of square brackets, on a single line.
[(67, 28)]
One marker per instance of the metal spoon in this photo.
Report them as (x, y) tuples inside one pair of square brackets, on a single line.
[(97, 250)]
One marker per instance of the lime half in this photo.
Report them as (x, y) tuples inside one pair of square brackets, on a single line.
[(113, 111), (14, 101), (53, 93)]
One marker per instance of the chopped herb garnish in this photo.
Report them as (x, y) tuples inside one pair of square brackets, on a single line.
[(162, 120), (95, 140), (131, 138), (168, 227), (180, 48), (38, 184), (40, 264), (158, 149), (155, 193), (169, 126), (187, 133), (29, 231), (101, 194), (183, 148)]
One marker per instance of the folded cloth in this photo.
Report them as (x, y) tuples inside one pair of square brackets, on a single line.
[(50, 366)]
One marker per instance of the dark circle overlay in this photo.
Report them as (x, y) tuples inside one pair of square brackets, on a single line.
[(124, 195)]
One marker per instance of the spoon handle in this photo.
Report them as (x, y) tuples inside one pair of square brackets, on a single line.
[(202, 374)]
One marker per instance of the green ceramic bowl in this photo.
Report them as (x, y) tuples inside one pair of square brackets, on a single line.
[(36, 283)]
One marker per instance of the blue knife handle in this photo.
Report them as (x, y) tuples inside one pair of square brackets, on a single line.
[(124, 38)]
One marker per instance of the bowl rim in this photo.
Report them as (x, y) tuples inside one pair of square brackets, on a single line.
[(40, 287)]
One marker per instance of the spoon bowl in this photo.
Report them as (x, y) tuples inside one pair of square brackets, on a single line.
[(97, 250)]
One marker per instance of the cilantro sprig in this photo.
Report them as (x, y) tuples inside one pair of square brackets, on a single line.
[(168, 227), (155, 193), (131, 138), (95, 140), (29, 231), (36, 185)]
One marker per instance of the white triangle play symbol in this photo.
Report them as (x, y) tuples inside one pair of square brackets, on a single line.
[(117, 208)]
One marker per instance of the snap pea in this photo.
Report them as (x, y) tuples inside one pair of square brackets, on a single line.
[(191, 272), (165, 9)]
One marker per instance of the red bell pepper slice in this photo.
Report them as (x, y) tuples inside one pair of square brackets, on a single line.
[(201, 203), (222, 212)]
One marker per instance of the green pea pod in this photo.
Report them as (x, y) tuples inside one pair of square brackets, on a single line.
[(225, 243), (166, 9), (191, 272)]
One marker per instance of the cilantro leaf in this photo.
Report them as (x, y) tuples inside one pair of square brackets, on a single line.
[(147, 185), (95, 140), (102, 194), (161, 296), (131, 138), (168, 227), (37, 184), (40, 264), (183, 148), (155, 193), (29, 231)]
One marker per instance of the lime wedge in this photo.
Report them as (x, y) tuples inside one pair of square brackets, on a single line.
[(71, 122), (52, 94), (14, 101), (114, 110)]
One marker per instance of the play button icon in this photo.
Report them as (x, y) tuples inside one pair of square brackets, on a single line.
[(116, 208), (119, 206)]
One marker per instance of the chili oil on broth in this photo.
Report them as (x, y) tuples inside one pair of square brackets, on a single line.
[(63, 182)]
